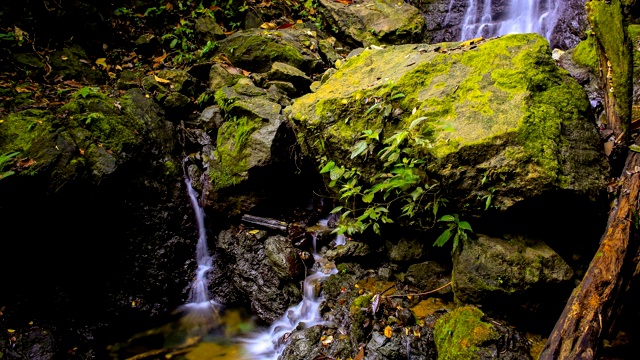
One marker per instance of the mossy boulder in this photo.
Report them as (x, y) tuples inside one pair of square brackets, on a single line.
[(72, 63), (496, 118), (256, 50), (374, 22), (494, 272), (87, 139), (466, 333)]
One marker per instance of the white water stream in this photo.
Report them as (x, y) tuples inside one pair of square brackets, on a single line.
[(200, 311), (269, 344), (521, 16)]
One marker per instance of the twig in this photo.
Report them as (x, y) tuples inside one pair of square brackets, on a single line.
[(424, 293)]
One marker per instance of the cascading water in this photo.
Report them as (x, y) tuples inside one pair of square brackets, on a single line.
[(200, 311), (268, 345), (521, 16)]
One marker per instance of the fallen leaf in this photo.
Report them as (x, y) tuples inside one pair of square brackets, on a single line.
[(214, 8), (81, 151), (269, 26), (346, 2), (230, 32), (608, 147), (10, 331), (169, 6), (161, 80), (360, 355), (388, 332), (102, 62), (30, 322), (285, 26), (253, 232), (72, 83), (246, 73), (326, 340)]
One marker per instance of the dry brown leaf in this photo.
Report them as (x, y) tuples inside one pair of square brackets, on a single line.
[(346, 2), (388, 332), (169, 6), (360, 355), (326, 340)]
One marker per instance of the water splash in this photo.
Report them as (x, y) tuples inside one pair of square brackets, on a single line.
[(521, 16), (268, 345)]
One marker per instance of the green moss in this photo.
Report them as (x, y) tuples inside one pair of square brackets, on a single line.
[(607, 21), (229, 165), (360, 302), (458, 334), (108, 126), (258, 51), (586, 53), (19, 130)]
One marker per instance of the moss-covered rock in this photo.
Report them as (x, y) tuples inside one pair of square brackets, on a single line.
[(494, 272), (88, 138), (72, 63), (498, 117), (256, 49), (374, 22), (460, 333)]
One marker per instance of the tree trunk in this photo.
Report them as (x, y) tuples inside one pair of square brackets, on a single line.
[(594, 305)]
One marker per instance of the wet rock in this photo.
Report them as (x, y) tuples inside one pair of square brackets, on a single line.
[(350, 250), (284, 258), (303, 345), (492, 271), (253, 275)]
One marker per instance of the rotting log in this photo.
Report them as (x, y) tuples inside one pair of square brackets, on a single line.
[(594, 305)]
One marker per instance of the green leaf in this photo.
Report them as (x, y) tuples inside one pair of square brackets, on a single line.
[(372, 108), (330, 165), (397, 96), (488, 202), (417, 121), (376, 228), (634, 148), (464, 225), (173, 43), (443, 238), (336, 209), (447, 218), (368, 197), (358, 148), (336, 173)]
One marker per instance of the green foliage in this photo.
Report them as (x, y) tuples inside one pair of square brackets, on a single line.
[(86, 91), (4, 160), (456, 228), (401, 188)]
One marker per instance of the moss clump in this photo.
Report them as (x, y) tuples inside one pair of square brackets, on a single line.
[(19, 130), (459, 333), (97, 113), (586, 53), (229, 165)]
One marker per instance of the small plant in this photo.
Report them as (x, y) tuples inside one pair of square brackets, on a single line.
[(4, 160), (86, 91), (456, 228)]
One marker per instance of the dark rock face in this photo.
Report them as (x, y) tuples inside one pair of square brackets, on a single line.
[(571, 25), (243, 256)]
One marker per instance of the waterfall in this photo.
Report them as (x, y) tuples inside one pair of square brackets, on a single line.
[(268, 345), (200, 311), (521, 16)]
